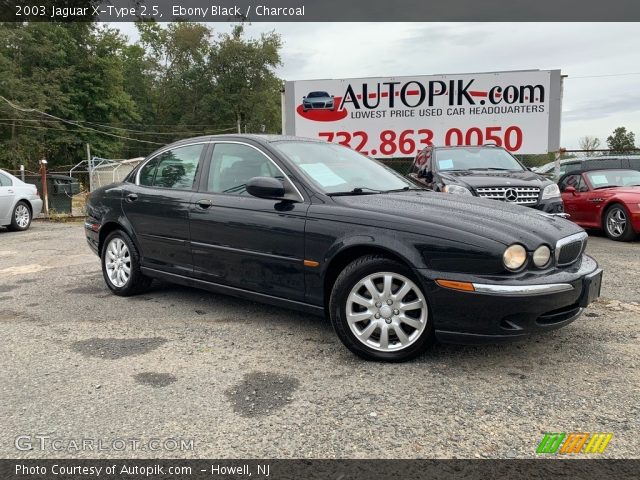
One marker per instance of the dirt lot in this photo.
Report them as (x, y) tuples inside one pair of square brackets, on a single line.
[(243, 380)]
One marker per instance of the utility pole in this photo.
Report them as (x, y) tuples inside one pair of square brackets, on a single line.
[(45, 192), (238, 123), (89, 168)]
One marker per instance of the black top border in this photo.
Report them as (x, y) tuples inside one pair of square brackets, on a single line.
[(320, 10)]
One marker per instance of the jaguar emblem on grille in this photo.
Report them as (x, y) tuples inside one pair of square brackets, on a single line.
[(510, 195)]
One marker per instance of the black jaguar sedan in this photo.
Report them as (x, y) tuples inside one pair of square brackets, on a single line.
[(317, 227)]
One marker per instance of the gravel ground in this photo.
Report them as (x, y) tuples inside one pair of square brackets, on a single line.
[(243, 380)]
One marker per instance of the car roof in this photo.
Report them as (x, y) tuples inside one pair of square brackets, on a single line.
[(489, 145), (580, 171), (261, 138)]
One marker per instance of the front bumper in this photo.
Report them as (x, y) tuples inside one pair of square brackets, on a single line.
[(508, 308)]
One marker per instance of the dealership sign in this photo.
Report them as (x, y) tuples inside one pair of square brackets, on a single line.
[(398, 116)]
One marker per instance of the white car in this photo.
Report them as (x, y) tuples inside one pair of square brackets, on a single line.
[(19, 202)]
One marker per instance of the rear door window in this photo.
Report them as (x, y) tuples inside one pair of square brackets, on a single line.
[(148, 171), (175, 168), (5, 181)]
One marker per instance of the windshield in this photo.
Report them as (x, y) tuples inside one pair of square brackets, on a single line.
[(475, 159), (613, 178), (337, 169), (318, 94)]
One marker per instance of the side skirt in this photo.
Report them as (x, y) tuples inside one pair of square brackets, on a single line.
[(233, 291)]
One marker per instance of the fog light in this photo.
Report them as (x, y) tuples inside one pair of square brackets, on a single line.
[(542, 256), (514, 257)]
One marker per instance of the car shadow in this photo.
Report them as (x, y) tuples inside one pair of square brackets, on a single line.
[(317, 332)]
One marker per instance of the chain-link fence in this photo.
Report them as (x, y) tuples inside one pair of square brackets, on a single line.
[(104, 171), (85, 176)]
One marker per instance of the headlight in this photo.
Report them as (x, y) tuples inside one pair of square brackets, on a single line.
[(542, 256), (456, 189), (550, 191), (514, 257)]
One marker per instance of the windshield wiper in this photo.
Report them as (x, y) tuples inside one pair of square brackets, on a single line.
[(356, 191), (403, 189), (606, 186)]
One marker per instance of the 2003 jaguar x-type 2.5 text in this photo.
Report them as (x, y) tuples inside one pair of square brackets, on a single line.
[(318, 227)]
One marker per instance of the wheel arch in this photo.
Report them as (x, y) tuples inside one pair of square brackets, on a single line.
[(111, 226), (25, 200), (348, 254), (611, 203)]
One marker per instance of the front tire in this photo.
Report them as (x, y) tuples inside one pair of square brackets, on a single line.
[(121, 265), (21, 217), (617, 224), (379, 311)]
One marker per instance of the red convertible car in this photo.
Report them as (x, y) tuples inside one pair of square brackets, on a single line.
[(604, 199)]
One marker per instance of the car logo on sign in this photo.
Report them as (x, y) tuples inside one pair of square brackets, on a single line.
[(510, 195)]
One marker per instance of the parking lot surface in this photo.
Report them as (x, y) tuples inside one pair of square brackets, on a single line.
[(244, 380)]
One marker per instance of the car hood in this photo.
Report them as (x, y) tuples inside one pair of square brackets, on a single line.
[(477, 178), (318, 99), (440, 214)]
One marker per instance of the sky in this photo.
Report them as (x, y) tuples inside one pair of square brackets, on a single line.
[(602, 60)]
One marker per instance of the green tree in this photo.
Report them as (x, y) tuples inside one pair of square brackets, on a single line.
[(179, 80), (246, 87), (621, 140), (70, 71)]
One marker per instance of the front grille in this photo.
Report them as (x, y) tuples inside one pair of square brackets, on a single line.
[(569, 249), (318, 105), (517, 195)]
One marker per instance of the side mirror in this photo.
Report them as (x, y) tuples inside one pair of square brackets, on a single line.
[(570, 189), (332, 96), (304, 96), (266, 187)]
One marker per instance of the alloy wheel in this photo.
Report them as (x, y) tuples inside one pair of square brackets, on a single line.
[(386, 311), (22, 216), (118, 262), (616, 222)]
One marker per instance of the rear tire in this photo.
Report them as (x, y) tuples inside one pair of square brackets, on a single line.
[(121, 265), (379, 311), (20, 217), (617, 223)]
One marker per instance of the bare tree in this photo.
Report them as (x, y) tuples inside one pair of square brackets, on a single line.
[(589, 144)]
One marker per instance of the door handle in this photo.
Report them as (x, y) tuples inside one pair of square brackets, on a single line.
[(204, 204), (132, 197)]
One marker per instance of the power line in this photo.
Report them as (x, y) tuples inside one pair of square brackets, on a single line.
[(71, 122), (198, 132), (606, 75)]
